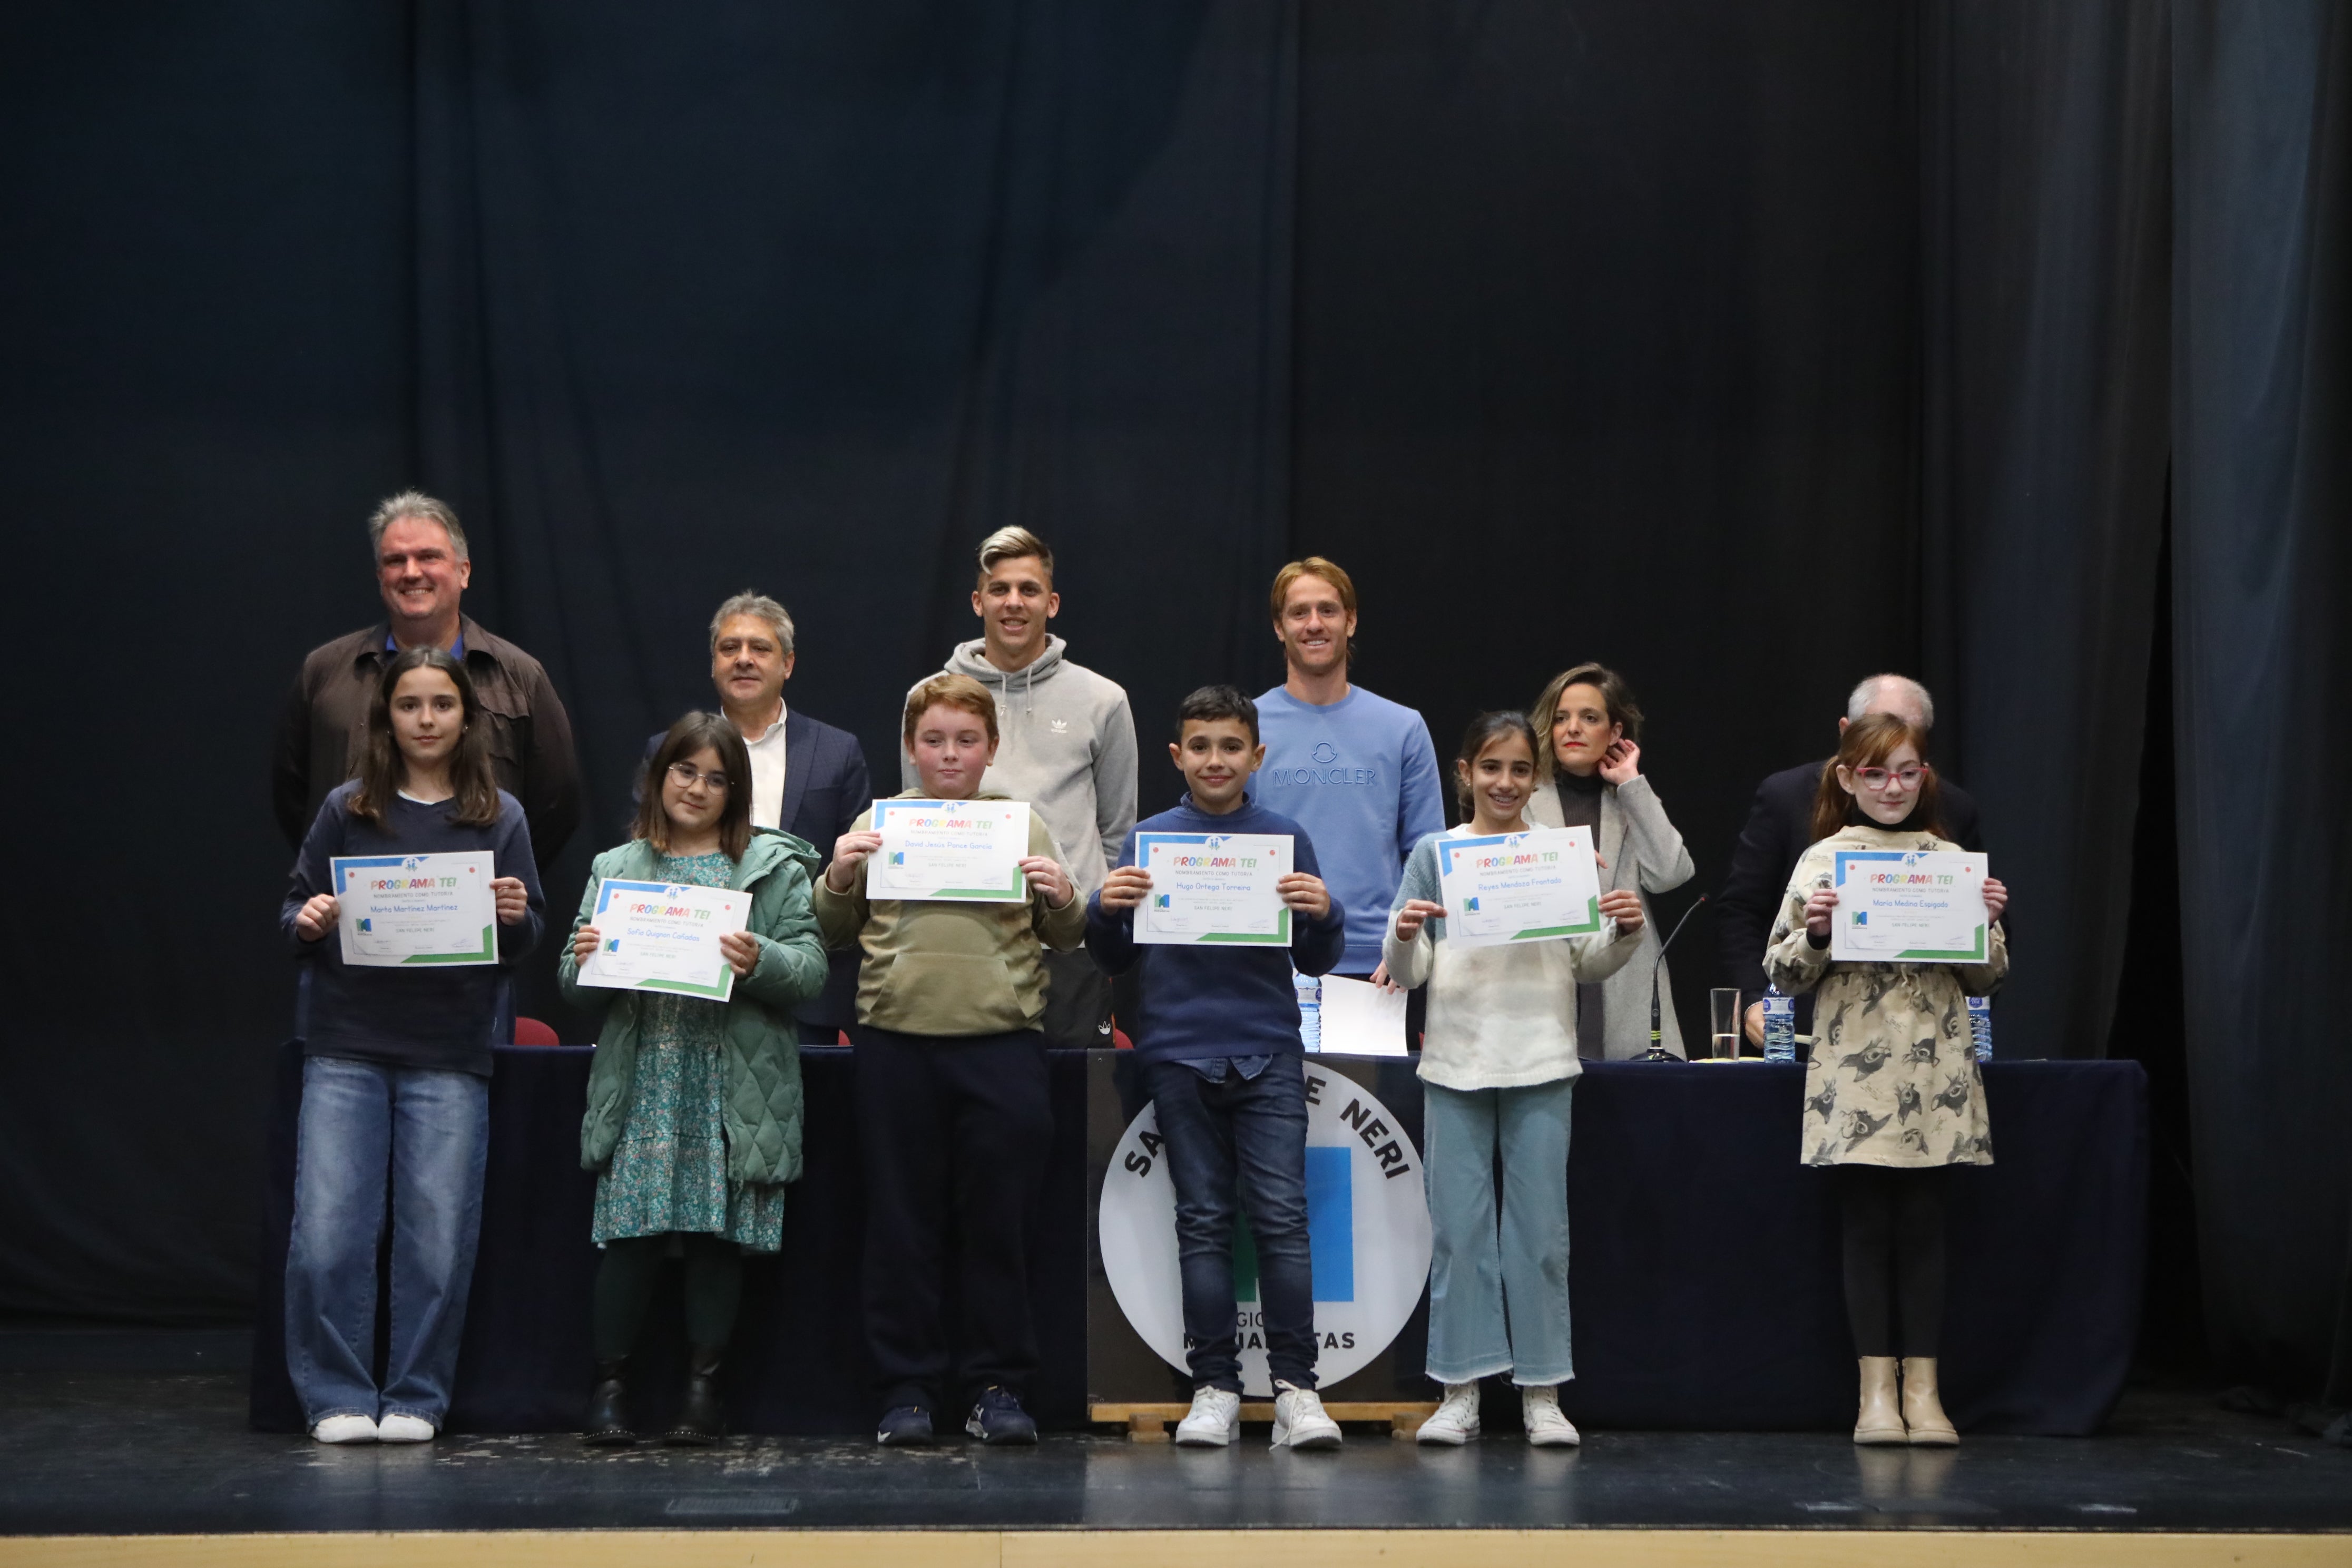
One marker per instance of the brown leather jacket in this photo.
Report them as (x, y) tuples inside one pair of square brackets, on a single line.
[(530, 735)]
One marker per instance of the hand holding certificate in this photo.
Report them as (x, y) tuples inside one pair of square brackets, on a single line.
[(1519, 886), (1212, 888), (1909, 906), (393, 909), (656, 936)]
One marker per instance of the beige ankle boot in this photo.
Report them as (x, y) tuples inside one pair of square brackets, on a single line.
[(1880, 1419), (1922, 1411)]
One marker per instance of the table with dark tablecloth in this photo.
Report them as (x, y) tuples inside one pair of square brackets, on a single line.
[(1705, 1276)]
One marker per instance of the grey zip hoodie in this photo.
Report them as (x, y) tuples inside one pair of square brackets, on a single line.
[(1066, 745)]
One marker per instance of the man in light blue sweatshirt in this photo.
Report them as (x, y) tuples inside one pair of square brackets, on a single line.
[(1357, 772)]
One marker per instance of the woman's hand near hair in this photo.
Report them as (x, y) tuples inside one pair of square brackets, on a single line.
[(1620, 765), (512, 901), (1045, 876), (1124, 888), (849, 852), (315, 919), (584, 944), (1996, 897), (1624, 906), (740, 949), (1415, 913)]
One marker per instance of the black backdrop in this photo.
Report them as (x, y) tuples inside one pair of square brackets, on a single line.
[(1747, 347)]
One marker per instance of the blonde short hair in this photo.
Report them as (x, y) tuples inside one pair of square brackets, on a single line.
[(1012, 544), (1312, 566), (949, 690)]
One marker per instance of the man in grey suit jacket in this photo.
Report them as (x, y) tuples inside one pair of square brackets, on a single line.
[(807, 777)]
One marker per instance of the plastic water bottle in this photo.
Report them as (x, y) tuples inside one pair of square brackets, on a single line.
[(1309, 990), (1981, 1025), (1779, 1026)]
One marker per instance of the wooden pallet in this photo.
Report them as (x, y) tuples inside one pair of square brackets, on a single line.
[(1151, 1422)]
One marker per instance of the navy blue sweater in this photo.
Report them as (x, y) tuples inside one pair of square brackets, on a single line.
[(424, 1018), (1216, 1001)]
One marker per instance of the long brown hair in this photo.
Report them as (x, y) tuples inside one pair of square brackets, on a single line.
[(699, 732), (381, 770), (1615, 696), (1867, 743)]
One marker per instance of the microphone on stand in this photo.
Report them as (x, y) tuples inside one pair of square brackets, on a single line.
[(1658, 1053)]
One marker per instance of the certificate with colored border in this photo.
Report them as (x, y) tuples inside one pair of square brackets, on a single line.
[(958, 851), (664, 936), (398, 910), (1519, 887), (1908, 906), (1215, 887)]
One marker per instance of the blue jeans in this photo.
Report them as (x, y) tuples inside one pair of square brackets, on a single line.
[(430, 1131), (1250, 1135), (1479, 1269)]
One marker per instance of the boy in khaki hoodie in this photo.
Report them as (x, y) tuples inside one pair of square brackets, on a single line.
[(952, 1107)]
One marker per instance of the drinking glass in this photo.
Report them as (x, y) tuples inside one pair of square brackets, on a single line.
[(1722, 1025)]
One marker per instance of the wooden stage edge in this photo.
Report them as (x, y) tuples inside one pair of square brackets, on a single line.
[(1581, 1548)]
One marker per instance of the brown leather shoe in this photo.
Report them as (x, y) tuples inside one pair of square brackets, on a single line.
[(1880, 1418), (1922, 1411)]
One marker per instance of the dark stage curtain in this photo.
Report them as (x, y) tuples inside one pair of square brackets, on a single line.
[(1748, 347), (2261, 428), (2045, 309)]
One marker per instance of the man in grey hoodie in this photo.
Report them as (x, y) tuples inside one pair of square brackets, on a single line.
[(1068, 748)]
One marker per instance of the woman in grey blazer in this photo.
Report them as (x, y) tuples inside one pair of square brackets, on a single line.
[(1588, 774)]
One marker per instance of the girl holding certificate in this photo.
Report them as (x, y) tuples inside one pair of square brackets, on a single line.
[(694, 1104), (396, 1066), (953, 1117), (1891, 1093), (1588, 774), (1498, 1065)]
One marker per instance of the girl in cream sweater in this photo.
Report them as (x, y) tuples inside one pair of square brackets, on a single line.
[(1498, 1064)]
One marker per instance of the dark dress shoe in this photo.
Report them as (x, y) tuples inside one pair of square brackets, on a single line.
[(608, 1407), (701, 1420)]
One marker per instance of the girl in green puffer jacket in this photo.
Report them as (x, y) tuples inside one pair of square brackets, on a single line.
[(694, 1105)]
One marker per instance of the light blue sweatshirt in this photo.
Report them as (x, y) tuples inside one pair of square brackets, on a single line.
[(1361, 777)]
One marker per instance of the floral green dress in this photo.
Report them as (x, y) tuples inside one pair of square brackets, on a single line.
[(669, 1172)]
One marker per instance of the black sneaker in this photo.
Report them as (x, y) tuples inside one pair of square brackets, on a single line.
[(999, 1418), (905, 1427)]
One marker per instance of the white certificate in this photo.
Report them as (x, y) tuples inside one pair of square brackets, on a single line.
[(1214, 887), (968, 851), (1908, 906), (416, 909), (664, 936), (1519, 887), (1362, 1019)]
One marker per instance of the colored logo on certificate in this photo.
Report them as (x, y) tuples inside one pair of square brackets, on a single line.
[(366, 924), (898, 857), (1470, 904)]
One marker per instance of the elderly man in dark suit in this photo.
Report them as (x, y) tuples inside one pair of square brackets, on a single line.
[(807, 777), (1779, 831)]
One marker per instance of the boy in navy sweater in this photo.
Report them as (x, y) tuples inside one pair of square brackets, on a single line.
[(1221, 1054)]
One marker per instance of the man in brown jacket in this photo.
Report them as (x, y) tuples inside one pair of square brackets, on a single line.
[(422, 569)]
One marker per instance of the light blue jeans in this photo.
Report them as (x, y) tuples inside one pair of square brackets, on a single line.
[(1497, 1285), (429, 1131)]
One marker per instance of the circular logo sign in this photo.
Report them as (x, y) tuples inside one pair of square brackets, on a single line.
[(1367, 1229)]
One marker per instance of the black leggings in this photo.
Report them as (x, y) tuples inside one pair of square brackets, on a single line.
[(1894, 1258), (632, 1267)]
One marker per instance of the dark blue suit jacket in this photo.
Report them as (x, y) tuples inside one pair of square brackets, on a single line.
[(825, 786)]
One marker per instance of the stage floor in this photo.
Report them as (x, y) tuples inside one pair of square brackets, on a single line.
[(122, 1432)]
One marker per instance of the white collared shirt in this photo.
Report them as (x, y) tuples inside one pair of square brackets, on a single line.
[(768, 774)]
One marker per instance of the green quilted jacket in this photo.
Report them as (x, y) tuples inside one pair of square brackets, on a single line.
[(763, 1110)]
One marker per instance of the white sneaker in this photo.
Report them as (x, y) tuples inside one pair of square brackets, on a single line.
[(1547, 1427), (1455, 1421), (1214, 1419), (403, 1429), (345, 1429), (1299, 1421)]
